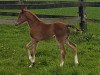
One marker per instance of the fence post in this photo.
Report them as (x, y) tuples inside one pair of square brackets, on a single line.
[(20, 1), (82, 15)]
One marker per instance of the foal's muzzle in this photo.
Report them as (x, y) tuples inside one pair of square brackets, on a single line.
[(16, 23)]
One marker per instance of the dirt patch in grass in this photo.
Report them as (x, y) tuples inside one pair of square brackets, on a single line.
[(69, 20)]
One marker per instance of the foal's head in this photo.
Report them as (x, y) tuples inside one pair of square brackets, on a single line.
[(26, 15), (21, 17)]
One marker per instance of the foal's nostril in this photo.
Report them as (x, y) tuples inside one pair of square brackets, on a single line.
[(16, 24)]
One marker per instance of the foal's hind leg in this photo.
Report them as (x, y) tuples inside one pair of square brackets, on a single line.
[(62, 50), (73, 46)]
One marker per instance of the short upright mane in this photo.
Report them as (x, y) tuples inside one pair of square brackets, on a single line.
[(33, 15)]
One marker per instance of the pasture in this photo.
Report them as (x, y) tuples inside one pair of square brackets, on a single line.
[(13, 54), (91, 12), (14, 59), (56, 0)]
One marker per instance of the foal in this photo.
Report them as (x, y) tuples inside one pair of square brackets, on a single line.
[(41, 31)]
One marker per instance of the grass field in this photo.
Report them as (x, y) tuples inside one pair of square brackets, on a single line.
[(13, 55), (55, 0), (14, 59), (92, 12)]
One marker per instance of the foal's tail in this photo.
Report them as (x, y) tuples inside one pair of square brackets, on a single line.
[(72, 26)]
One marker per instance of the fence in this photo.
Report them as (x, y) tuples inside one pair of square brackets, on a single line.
[(45, 4), (52, 4)]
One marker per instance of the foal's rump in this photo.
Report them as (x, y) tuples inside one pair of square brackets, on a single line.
[(60, 29)]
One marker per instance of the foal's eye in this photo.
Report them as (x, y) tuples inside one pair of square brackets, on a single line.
[(21, 16)]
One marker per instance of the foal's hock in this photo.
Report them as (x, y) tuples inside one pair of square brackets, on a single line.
[(41, 31)]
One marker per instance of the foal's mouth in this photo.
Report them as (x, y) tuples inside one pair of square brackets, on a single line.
[(16, 23)]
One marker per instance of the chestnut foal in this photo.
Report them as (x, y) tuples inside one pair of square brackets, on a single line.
[(41, 31)]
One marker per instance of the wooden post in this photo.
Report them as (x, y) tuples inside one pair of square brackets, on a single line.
[(21, 2), (82, 15)]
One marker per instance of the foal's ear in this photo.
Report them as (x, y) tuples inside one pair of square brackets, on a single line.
[(23, 8)]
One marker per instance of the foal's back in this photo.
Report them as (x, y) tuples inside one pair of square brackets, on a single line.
[(58, 29)]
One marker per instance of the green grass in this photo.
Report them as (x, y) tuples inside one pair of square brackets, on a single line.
[(92, 12), (55, 11), (42, 0), (14, 59)]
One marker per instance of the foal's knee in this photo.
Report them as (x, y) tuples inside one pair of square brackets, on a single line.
[(27, 46), (63, 53)]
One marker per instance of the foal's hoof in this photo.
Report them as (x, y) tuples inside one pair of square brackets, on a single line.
[(61, 64), (32, 65), (76, 64)]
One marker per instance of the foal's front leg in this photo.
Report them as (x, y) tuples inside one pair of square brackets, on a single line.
[(29, 47), (31, 51)]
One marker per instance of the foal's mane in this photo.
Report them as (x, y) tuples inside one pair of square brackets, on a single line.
[(32, 16)]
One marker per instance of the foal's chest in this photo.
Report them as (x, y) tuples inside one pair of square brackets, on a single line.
[(42, 33)]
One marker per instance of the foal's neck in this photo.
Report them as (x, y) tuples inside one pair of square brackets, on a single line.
[(33, 20)]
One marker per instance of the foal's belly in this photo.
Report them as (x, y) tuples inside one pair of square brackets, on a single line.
[(46, 36), (42, 35)]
